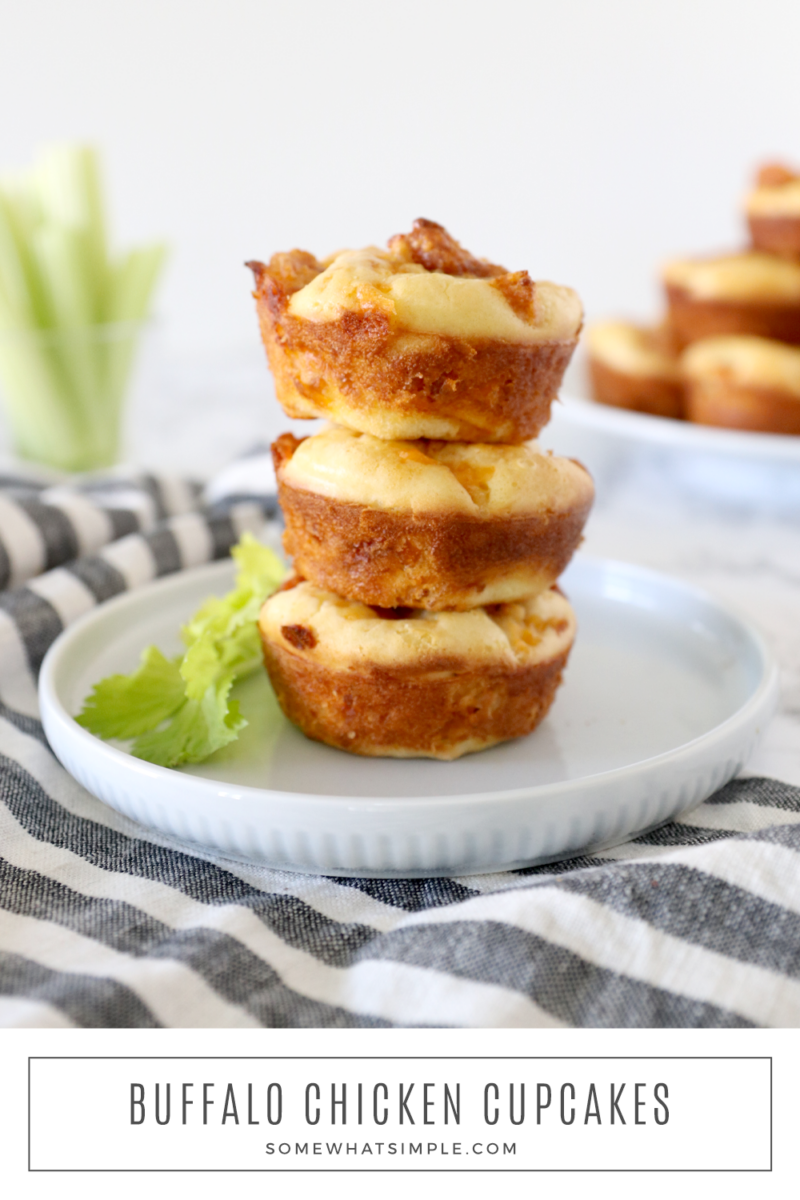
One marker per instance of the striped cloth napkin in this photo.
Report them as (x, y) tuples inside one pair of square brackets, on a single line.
[(103, 923)]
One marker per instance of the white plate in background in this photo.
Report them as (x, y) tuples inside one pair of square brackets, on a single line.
[(630, 426), (663, 701), (729, 464)]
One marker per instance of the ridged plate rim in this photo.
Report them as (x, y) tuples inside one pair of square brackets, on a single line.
[(717, 753)]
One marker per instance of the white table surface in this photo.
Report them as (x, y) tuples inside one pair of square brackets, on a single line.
[(686, 515)]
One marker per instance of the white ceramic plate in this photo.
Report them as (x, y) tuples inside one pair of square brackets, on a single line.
[(731, 465), (680, 435), (576, 411), (663, 700)]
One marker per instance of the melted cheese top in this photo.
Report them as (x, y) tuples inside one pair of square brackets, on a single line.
[(430, 302), (781, 200), (752, 361), (348, 634), (750, 276), (436, 477), (630, 349)]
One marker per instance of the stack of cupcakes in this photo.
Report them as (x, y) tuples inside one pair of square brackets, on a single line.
[(728, 352), (427, 530)]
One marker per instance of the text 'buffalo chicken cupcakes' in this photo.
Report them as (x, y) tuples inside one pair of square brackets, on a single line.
[(428, 524), (743, 383), (750, 293), (634, 367), (773, 212), (411, 683), (421, 340)]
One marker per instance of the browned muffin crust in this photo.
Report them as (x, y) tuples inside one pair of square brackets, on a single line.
[(774, 174), (359, 366), (776, 235), (641, 393), (435, 561), (720, 401), (439, 711), (435, 249), (775, 232), (692, 318)]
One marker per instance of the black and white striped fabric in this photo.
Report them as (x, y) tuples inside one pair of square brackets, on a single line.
[(105, 924)]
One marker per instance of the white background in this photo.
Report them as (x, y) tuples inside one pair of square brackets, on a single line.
[(582, 140)]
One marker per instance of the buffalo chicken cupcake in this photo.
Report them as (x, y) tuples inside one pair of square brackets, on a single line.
[(428, 524), (411, 683), (633, 367), (421, 340), (743, 383), (773, 212), (749, 293)]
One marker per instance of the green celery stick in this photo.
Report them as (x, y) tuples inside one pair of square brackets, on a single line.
[(132, 281), (23, 218), (59, 254), (67, 181), (69, 312), (131, 286), (15, 297), (39, 408)]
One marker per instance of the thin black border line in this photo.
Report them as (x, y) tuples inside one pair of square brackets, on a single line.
[(396, 1170)]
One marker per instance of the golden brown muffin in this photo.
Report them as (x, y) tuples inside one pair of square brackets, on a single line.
[(420, 340), (414, 684), (633, 367), (428, 524), (743, 383), (773, 211), (749, 293)]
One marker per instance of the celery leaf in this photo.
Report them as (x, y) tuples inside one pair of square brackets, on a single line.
[(179, 710), (124, 706), (198, 729)]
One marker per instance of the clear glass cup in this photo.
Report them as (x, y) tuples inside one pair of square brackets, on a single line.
[(63, 392)]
